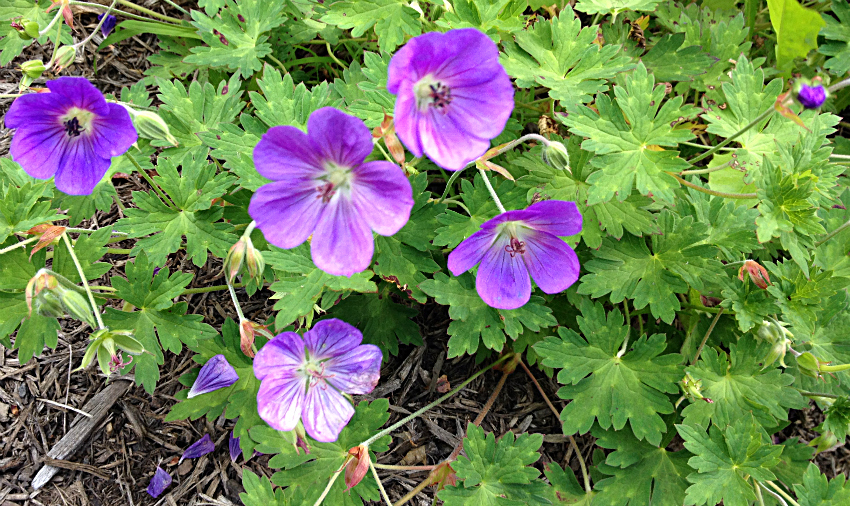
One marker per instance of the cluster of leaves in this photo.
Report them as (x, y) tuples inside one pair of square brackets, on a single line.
[(660, 338)]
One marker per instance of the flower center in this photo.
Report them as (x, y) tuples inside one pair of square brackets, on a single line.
[(516, 247), (77, 121), (315, 371), (334, 179), (432, 93)]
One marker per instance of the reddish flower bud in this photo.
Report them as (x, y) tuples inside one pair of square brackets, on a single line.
[(357, 466), (758, 274)]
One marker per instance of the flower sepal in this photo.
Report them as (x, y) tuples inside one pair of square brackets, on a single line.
[(64, 57), (150, 125), (357, 466), (105, 345), (556, 156)]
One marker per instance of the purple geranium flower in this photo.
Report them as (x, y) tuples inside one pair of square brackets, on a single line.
[(71, 132), (108, 24), (453, 95), (517, 244), (305, 378), (811, 97), (216, 373), (200, 448), (159, 482), (323, 188)]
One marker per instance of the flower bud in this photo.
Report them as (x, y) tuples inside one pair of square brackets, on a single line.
[(33, 68), (757, 273), (47, 303), (357, 466), (151, 126), (77, 306), (555, 155), (31, 28), (235, 257), (777, 351), (692, 388), (808, 365), (246, 338), (215, 374), (108, 345), (824, 442), (255, 263), (810, 95), (42, 280), (65, 56)]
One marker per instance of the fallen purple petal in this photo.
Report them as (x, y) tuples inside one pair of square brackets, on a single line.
[(216, 373), (233, 446), (159, 482), (199, 449)]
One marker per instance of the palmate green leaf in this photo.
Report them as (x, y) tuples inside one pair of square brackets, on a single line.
[(607, 385), (192, 190), (680, 257), (35, 333), (829, 343), (235, 146), (496, 473), (802, 296), (238, 401), (626, 134), (793, 461), (565, 488), (640, 473), (364, 88), (457, 227), (234, 44), (301, 284), (167, 63), (305, 475), (21, 209), (731, 227), (615, 6), (725, 459), (156, 316), (671, 59), (199, 109), (392, 19), (475, 323), (750, 303), (489, 16), (817, 490), (16, 269), (89, 248), (837, 33), (561, 55), (259, 491), (613, 217), (382, 321), (796, 30), (740, 385)]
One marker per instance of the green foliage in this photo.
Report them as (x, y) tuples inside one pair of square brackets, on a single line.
[(671, 59), (615, 7), (837, 33), (610, 384), (489, 16), (816, 490), (496, 473), (392, 19), (725, 459), (382, 321), (796, 29), (158, 323), (21, 208), (629, 135), (259, 492)]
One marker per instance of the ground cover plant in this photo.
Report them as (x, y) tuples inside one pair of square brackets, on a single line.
[(493, 252)]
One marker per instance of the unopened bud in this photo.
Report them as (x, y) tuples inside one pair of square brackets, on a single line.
[(255, 263), (758, 274), (235, 257), (77, 306), (246, 338), (824, 442), (810, 95), (33, 68), (555, 155), (151, 126), (357, 466), (47, 303), (692, 388), (65, 56), (31, 29), (777, 351), (809, 365)]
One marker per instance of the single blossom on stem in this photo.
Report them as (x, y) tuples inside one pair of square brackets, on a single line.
[(453, 95), (305, 378), (216, 373), (322, 187), (71, 133), (516, 244)]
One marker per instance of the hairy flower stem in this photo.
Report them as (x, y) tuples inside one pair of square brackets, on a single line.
[(584, 474), (165, 200), (414, 492), (235, 300), (833, 233), (439, 401), (707, 334), (818, 394), (492, 191), (712, 192), (839, 85), (390, 467), (705, 171), (330, 484), (380, 485), (50, 25), (758, 492), (82, 274), (783, 493), (107, 12), (149, 12), (734, 136), (18, 245), (117, 11)]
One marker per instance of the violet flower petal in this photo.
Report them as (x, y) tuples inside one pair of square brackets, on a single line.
[(471, 251), (357, 372), (342, 243), (160, 481), (280, 400), (326, 412), (382, 196), (216, 373), (339, 137), (811, 97), (284, 352), (233, 446), (550, 261), (332, 338), (285, 153), (556, 217), (199, 448), (503, 281), (108, 24), (286, 212)]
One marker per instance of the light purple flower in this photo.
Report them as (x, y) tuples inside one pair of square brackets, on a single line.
[(160, 481), (233, 446), (200, 448), (453, 95), (811, 97), (322, 188), (305, 378), (516, 244), (108, 24), (70, 133), (216, 373)]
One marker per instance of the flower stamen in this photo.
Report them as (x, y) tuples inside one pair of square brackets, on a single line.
[(516, 247), (441, 95), (326, 191), (73, 127)]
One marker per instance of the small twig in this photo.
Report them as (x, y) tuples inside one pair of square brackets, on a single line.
[(65, 406)]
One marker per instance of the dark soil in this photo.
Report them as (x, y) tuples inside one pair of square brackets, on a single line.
[(121, 455)]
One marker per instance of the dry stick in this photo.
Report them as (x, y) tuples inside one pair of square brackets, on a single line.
[(584, 475), (708, 333), (478, 419)]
